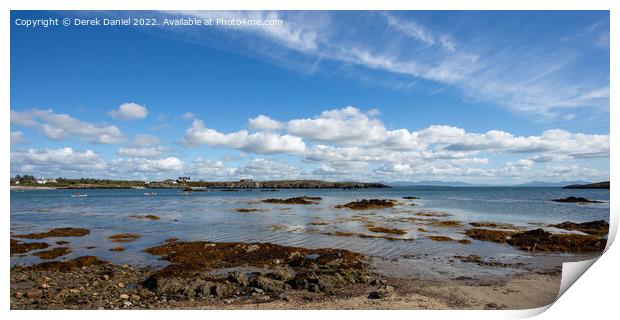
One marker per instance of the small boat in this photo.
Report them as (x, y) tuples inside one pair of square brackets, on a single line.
[(150, 194), (78, 195), (185, 193)]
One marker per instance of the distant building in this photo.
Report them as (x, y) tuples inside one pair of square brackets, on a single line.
[(45, 180), (183, 179)]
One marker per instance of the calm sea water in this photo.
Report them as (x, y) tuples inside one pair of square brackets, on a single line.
[(212, 216)]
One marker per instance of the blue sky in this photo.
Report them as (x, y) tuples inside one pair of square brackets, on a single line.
[(483, 97)]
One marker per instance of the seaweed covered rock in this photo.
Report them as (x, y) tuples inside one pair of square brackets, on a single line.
[(58, 232), (599, 227), (18, 247), (295, 200), (575, 200), (489, 235), (65, 266), (281, 267), (540, 240), (366, 204)]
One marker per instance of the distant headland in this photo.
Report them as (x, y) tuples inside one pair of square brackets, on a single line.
[(595, 185), (30, 182)]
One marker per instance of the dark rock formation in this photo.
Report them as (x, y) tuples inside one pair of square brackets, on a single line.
[(296, 200), (575, 200), (596, 185), (600, 227), (369, 204), (58, 232)]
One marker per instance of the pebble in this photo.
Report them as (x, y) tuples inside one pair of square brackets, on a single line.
[(124, 296), (121, 285), (127, 303), (106, 277)]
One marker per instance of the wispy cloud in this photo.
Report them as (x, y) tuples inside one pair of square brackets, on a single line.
[(532, 78)]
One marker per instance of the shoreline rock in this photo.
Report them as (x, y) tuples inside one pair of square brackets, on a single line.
[(57, 232), (540, 240), (572, 199), (295, 200), (366, 204), (599, 227)]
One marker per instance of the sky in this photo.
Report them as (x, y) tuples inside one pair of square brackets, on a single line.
[(494, 97)]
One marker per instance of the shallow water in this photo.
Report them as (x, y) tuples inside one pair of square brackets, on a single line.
[(212, 216)]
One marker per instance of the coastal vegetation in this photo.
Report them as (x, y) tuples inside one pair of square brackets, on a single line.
[(185, 184)]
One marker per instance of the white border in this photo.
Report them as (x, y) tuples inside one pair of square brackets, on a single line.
[(591, 296)]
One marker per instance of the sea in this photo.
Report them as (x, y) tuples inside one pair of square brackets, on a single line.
[(212, 215)]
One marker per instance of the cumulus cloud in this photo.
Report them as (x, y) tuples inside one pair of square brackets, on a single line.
[(341, 126), (264, 123), (170, 165), (143, 140), (259, 142), (129, 111), (141, 152), (268, 169), (57, 126), (57, 160)]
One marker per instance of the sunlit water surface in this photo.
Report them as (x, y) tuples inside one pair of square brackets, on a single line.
[(212, 216)]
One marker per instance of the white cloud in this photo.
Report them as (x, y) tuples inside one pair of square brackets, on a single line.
[(129, 111), (17, 137), (141, 152), (447, 42), (268, 169), (341, 126), (58, 160), (188, 116), (211, 170), (58, 126), (259, 142), (544, 80), (144, 140), (411, 29), (292, 33), (264, 123), (170, 165)]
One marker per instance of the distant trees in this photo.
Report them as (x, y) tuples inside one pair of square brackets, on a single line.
[(25, 178)]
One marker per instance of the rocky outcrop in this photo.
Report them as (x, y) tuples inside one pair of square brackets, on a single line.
[(17, 247), (368, 204), (296, 200), (281, 268), (540, 240), (596, 185), (58, 232), (600, 227), (575, 200)]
